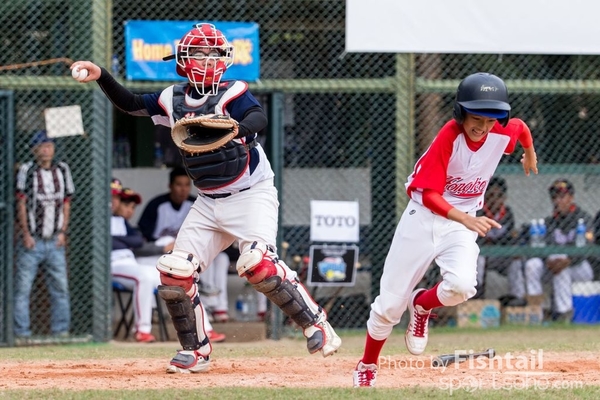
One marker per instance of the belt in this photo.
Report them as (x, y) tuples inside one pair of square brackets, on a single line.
[(221, 195)]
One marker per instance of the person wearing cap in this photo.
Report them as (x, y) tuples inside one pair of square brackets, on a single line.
[(129, 200), (141, 279), (560, 269), (44, 191)]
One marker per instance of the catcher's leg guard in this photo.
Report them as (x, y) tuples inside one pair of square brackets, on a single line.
[(187, 317), (179, 268), (271, 276), (179, 271)]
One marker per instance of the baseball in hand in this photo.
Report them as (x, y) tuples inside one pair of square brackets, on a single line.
[(79, 73)]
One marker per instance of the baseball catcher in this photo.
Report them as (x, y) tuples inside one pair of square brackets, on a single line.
[(215, 124)]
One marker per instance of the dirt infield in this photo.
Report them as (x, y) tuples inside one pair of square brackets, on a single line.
[(523, 370)]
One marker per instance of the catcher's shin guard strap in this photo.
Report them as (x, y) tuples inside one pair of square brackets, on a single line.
[(182, 313), (288, 298)]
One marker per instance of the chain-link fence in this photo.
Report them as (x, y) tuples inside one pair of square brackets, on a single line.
[(36, 52), (352, 127)]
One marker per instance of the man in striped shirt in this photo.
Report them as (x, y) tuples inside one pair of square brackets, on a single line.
[(44, 191)]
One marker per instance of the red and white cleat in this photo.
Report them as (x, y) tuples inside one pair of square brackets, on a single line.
[(365, 375), (417, 333), (321, 337)]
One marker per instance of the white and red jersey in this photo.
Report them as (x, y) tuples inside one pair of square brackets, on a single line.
[(460, 169)]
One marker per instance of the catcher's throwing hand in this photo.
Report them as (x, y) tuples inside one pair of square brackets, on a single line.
[(204, 133), (93, 70)]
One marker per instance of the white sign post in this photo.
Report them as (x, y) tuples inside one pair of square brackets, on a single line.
[(334, 221)]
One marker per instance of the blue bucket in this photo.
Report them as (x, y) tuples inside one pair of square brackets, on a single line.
[(586, 309), (586, 302)]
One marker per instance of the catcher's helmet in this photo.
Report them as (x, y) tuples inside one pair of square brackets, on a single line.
[(482, 94), (203, 55)]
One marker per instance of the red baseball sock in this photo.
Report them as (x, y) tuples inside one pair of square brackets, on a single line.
[(429, 298), (372, 350)]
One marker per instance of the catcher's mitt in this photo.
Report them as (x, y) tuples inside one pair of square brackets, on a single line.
[(204, 133)]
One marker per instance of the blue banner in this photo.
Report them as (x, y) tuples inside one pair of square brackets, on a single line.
[(147, 42)]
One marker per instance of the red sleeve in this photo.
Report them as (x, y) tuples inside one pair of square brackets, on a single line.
[(516, 129), (431, 169), (525, 138), (436, 203)]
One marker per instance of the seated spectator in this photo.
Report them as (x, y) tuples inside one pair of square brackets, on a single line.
[(495, 207), (560, 268), (141, 279), (163, 215)]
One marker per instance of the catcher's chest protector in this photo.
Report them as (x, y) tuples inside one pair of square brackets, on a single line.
[(216, 168)]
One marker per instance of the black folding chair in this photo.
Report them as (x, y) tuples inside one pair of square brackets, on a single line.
[(124, 302)]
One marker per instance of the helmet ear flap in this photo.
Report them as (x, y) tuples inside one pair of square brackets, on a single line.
[(458, 113)]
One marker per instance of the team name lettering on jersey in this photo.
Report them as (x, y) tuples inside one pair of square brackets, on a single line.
[(459, 188)]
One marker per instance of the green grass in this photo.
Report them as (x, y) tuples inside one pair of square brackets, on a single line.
[(503, 339), (442, 340), (592, 392)]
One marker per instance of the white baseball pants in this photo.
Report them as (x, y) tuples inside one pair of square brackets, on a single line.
[(420, 238), (212, 225)]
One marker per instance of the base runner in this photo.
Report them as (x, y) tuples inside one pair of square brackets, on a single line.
[(446, 189)]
